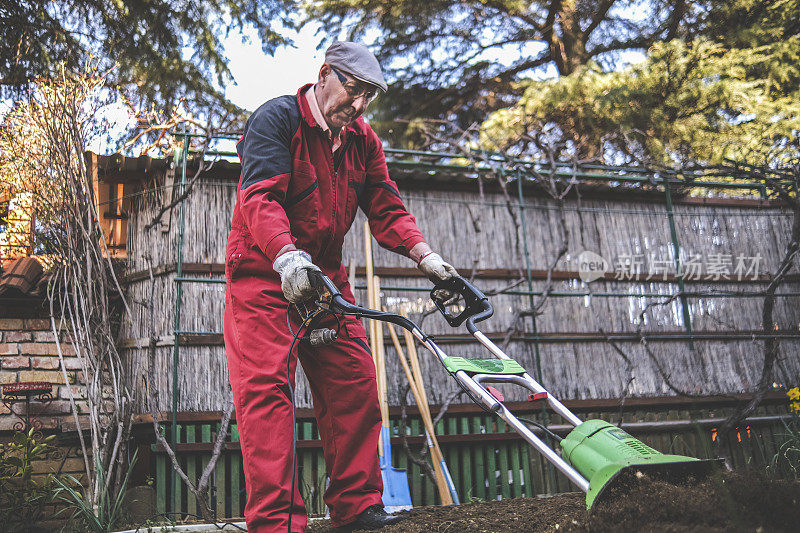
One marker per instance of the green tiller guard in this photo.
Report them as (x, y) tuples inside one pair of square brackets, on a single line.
[(596, 455), (607, 455)]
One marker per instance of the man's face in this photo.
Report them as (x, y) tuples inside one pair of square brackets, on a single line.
[(342, 98)]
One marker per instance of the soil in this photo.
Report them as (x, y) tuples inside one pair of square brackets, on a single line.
[(726, 502)]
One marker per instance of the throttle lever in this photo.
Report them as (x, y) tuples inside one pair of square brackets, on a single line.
[(476, 304), (326, 292)]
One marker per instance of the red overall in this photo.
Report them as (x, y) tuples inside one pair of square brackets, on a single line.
[(293, 190)]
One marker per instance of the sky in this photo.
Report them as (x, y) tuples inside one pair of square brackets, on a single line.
[(259, 77)]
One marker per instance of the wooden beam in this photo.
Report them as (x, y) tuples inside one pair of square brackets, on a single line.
[(482, 273), (119, 169), (216, 339), (204, 268), (412, 180), (561, 429), (671, 403)]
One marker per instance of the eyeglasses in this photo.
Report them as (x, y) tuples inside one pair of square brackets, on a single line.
[(355, 90)]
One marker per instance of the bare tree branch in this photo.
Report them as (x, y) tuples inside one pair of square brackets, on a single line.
[(416, 458), (201, 167)]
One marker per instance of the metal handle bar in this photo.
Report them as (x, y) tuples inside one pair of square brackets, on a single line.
[(331, 299), (477, 308), (476, 304)]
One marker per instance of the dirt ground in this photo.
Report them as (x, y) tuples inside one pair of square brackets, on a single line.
[(730, 502)]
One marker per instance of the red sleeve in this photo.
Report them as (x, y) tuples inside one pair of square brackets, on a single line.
[(260, 206), (265, 153), (393, 227)]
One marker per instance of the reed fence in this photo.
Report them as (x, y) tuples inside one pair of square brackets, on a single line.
[(704, 334)]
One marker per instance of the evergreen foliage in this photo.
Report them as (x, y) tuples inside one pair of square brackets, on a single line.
[(165, 50), (698, 102)]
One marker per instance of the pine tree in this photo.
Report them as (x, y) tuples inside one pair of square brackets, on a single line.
[(165, 50)]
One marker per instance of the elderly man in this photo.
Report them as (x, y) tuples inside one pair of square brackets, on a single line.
[(308, 163)]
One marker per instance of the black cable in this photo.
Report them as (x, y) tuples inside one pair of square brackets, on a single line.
[(542, 427), (338, 325), (291, 331), (306, 322)]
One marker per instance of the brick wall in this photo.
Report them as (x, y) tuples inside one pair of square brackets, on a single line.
[(28, 352)]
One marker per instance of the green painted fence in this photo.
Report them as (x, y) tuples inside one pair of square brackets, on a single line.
[(486, 459)]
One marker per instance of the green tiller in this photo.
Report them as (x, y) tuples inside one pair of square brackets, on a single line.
[(596, 455)]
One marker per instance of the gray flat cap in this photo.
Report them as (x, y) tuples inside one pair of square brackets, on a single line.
[(356, 60)]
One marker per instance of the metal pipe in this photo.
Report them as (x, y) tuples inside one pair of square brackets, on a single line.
[(491, 403), (646, 336), (629, 177), (178, 298), (588, 175), (490, 400), (497, 407), (687, 319), (492, 347), (494, 405), (429, 344), (771, 211), (200, 280), (675, 425), (567, 294), (537, 355), (502, 157), (557, 406), (618, 338)]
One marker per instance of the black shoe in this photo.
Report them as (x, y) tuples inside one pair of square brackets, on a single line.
[(373, 517)]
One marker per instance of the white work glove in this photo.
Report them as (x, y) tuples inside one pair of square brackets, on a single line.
[(293, 267), (433, 266)]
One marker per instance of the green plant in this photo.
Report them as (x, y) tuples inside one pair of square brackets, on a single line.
[(103, 517), (24, 499)]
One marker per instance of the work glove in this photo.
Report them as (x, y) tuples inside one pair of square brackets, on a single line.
[(293, 267), (433, 266)]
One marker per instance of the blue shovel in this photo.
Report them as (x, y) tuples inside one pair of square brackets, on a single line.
[(396, 494)]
